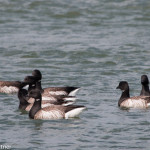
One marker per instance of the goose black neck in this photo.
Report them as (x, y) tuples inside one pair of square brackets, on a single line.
[(39, 86), (145, 90), (35, 108), (125, 94), (23, 99)]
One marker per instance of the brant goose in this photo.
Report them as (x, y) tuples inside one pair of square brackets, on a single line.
[(25, 105), (126, 101), (71, 91), (53, 111), (10, 87), (49, 98), (145, 86)]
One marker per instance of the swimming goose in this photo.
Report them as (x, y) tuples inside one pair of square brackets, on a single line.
[(54, 111), (25, 105), (10, 87), (145, 86), (131, 102), (71, 91), (48, 98)]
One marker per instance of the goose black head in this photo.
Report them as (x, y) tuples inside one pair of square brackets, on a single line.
[(37, 74), (144, 80), (29, 79), (123, 85)]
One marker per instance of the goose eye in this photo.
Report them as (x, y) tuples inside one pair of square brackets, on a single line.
[(31, 92)]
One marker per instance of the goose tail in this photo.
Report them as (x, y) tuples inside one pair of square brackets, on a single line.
[(70, 98), (74, 92), (74, 111)]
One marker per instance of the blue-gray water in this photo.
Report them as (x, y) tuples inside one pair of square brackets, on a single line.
[(93, 44)]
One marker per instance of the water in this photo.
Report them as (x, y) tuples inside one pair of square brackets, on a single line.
[(92, 44)]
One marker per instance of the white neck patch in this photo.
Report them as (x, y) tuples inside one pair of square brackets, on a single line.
[(26, 87), (37, 100)]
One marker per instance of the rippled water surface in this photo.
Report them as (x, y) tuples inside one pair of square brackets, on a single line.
[(92, 44)]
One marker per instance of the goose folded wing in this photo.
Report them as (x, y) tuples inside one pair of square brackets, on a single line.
[(51, 112), (9, 86)]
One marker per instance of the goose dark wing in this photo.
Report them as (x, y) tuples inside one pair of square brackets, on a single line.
[(9, 86), (71, 91)]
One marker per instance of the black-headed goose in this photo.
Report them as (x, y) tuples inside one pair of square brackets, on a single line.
[(48, 98), (70, 91), (126, 101), (145, 86), (54, 111), (25, 105), (10, 87)]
